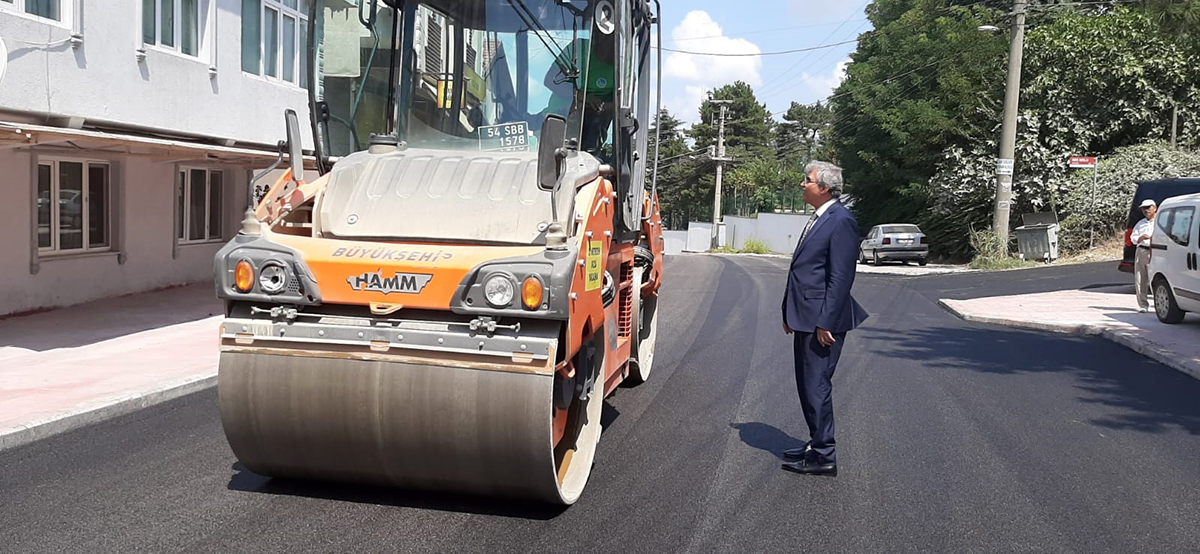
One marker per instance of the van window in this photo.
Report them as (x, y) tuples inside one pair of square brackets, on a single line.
[(1177, 224)]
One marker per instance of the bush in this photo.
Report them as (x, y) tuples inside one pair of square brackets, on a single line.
[(755, 246), (1114, 189)]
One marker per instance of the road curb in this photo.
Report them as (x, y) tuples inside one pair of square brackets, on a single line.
[(1123, 337), (58, 424)]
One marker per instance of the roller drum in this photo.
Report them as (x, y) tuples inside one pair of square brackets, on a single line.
[(407, 425)]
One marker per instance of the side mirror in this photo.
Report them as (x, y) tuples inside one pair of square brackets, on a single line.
[(550, 143), (294, 145)]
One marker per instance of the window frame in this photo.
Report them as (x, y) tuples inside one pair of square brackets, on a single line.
[(282, 11), (183, 212), (1169, 224), (202, 8), (66, 12), (55, 248)]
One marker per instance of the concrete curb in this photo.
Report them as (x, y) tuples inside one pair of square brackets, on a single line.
[(62, 423), (1124, 337)]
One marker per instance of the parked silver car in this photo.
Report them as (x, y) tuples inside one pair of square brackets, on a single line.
[(894, 241)]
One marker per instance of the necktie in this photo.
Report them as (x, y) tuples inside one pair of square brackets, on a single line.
[(807, 228)]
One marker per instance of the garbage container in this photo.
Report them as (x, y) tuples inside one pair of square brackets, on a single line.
[(1037, 239)]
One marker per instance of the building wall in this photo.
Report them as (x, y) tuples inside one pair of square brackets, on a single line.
[(143, 223), (102, 79)]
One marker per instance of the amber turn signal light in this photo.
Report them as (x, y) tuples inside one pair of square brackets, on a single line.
[(243, 276), (532, 293)]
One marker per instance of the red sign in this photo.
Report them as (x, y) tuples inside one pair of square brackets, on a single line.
[(1083, 161)]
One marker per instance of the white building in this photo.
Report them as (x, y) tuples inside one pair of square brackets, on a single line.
[(129, 130)]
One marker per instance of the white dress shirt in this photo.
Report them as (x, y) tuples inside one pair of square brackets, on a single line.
[(1143, 227), (824, 207)]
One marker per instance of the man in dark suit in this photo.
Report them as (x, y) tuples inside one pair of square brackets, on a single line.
[(818, 311)]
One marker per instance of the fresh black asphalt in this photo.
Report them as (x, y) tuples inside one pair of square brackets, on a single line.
[(953, 437)]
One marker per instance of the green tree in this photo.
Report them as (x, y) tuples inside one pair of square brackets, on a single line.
[(748, 124), (679, 202), (803, 134), (923, 80), (1092, 84)]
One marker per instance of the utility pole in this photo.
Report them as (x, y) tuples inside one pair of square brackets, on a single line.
[(1008, 130), (1174, 121), (720, 159)]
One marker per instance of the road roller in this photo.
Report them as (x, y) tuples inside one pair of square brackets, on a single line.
[(463, 255)]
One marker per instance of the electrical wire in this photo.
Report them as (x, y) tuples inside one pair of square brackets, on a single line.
[(765, 31), (776, 53)]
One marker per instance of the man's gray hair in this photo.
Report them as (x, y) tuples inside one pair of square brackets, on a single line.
[(829, 176)]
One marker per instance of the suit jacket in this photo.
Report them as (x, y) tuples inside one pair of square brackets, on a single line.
[(821, 275)]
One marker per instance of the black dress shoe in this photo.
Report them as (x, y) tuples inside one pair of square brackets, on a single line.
[(796, 453), (808, 467)]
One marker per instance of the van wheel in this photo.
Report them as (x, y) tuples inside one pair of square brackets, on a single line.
[(1164, 303)]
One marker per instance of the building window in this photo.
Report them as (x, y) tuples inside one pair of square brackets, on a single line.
[(49, 9), (173, 24), (274, 39), (198, 205), (73, 206)]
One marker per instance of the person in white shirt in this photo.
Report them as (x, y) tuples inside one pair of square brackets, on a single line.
[(1141, 266)]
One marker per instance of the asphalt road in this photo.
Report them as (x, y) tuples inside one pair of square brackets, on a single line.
[(953, 437)]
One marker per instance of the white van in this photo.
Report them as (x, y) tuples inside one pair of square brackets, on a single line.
[(1174, 271)]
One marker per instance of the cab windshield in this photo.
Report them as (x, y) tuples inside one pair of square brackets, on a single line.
[(471, 75)]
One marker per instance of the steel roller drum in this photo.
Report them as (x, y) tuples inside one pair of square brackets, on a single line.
[(440, 427)]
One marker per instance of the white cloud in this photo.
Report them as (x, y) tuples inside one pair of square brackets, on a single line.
[(698, 74), (822, 85)]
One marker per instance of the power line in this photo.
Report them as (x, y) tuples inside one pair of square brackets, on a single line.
[(765, 31), (777, 53), (801, 60)]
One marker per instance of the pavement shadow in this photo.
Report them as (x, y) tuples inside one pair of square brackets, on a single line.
[(1147, 396), (244, 480), (766, 437), (102, 320)]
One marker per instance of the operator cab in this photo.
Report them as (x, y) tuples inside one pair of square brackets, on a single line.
[(465, 77)]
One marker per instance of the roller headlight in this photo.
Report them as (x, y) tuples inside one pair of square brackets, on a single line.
[(499, 290), (273, 278)]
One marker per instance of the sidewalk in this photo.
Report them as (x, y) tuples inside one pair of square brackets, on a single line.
[(1110, 312), (74, 366)]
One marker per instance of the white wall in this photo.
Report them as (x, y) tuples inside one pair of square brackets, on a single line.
[(143, 205), (674, 242), (699, 236), (779, 231), (102, 78)]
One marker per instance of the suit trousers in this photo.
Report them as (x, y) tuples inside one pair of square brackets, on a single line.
[(815, 365)]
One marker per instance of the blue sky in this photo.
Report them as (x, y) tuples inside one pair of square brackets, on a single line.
[(754, 26)]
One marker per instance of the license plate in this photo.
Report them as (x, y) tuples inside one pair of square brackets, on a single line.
[(508, 137), (906, 241)]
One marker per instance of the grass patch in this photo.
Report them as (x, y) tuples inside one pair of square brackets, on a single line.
[(993, 254), (755, 246)]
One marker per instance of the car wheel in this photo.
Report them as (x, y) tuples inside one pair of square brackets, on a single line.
[(862, 257), (875, 257), (923, 262), (1164, 303)]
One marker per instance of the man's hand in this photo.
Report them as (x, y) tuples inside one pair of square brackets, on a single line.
[(1142, 238), (825, 337), (786, 330)]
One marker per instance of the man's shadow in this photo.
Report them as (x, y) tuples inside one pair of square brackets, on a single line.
[(766, 437)]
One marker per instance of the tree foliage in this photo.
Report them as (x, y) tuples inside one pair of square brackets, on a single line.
[(1092, 84)]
